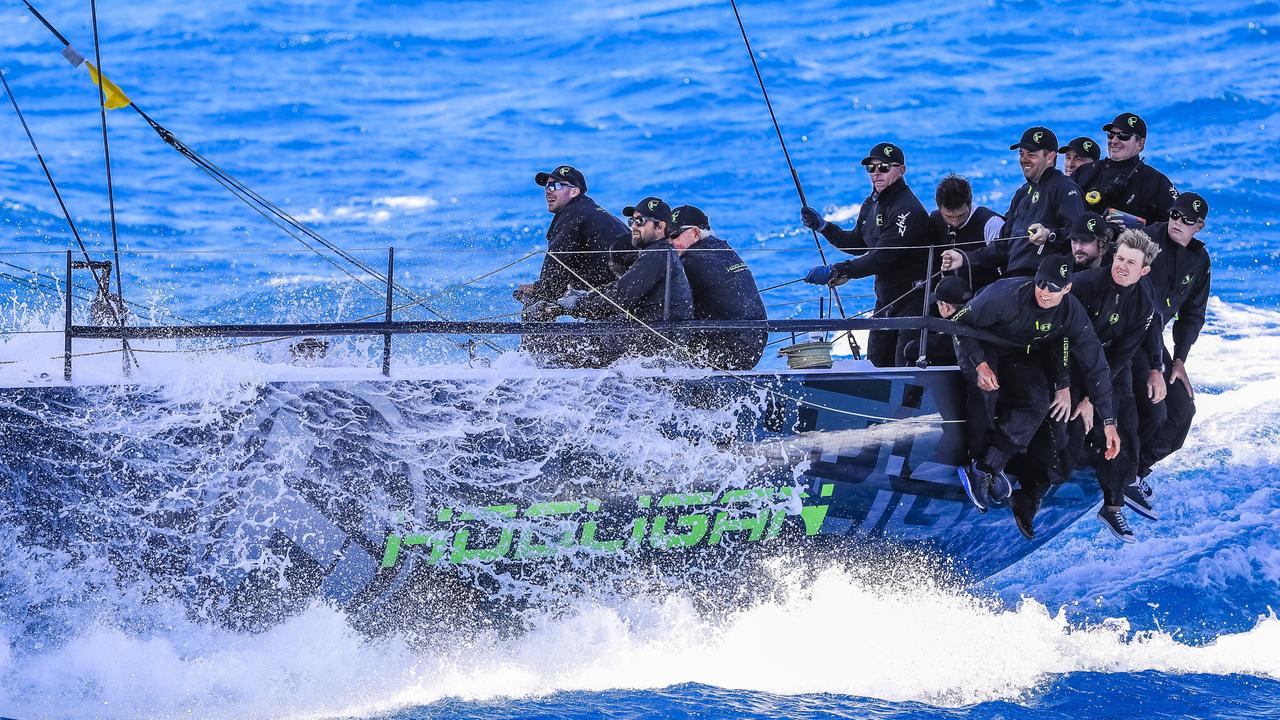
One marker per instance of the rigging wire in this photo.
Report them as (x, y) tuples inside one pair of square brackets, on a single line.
[(795, 177)]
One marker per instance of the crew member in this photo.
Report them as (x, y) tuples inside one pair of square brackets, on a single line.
[(1009, 383), (1120, 311), (1078, 153), (1124, 181), (1090, 238), (891, 225), (723, 289), (653, 289), (959, 224), (950, 295), (1179, 284), (1039, 216), (580, 229)]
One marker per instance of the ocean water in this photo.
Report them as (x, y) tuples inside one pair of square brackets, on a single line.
[(419, 125)]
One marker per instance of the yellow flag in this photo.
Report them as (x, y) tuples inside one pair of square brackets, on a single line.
[(113, 97)]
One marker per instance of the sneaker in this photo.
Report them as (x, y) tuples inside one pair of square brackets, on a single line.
[(1113, 518), (1138, 501), (1001, 488), (1147, 491), (975, 484), (1024, 514)]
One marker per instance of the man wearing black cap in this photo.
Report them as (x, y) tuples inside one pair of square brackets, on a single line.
[(1124, 181), (582, 230), (653, 289), (891, 224), (723, 289), (1120, 311), (1179, 284), (1039, 216), (959, 223), (1078, 153), (950, 295), (1090, 238), (1042, 329)]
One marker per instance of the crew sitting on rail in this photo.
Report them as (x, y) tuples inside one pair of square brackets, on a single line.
[(1078, 153), (1179, 284), (1040, 213), (947, 299), (891, 236), (1090, 239), (959, 224), (1008, 394), (1124, 181), (723, 289), (1120, 311), (653, 289), (579, 238)]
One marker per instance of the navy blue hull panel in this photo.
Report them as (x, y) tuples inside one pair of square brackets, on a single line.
[(433, 494)]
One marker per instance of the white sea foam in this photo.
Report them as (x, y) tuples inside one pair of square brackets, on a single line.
[(906, 640)]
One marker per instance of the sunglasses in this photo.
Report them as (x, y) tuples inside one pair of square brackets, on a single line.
[(881, 168), (1049, 286), (639, 220), (1179, 217), (1122, 137), (554, 185)]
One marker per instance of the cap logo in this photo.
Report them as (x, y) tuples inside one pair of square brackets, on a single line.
[(653, 204), (1063, 270), (1088, 145), (563, 171), (675, 217), (1195, 204), (1091, 224), (1115, 318), (888, 151), (1133, 121), (1036, 138)]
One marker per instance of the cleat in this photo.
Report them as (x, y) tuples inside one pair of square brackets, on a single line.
[(1001, 488), (975, 484), (1113, 518), (1140, 502)]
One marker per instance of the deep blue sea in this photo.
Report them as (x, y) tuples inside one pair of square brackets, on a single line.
[(420, 125)]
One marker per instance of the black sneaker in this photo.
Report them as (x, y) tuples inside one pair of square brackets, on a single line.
[(1113, 518), (975, 484), (1001, 488), (1138, 501), (1024, 514), (1147, 491)]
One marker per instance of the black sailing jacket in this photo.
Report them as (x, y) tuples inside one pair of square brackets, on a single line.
[(893, 218), (1054, 201), (580, 225)]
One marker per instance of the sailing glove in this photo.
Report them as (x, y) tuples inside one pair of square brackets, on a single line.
[(820, 275), (812, 219)]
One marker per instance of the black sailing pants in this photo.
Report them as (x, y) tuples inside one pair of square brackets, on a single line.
[(1164, 426), (1001, 423)]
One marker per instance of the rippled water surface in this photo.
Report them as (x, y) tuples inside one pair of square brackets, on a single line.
[(421, 124)]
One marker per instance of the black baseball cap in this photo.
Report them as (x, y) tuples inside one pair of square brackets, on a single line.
[(1037, 138), (885, 152), (1191, 206), (1055, 270), (953, 290), (651, 207), (1083, 146), (1127, 123), (690, 216), (564, 173), (1089, 226)]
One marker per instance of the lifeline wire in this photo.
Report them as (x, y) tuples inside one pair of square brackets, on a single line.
[(735, 374)]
